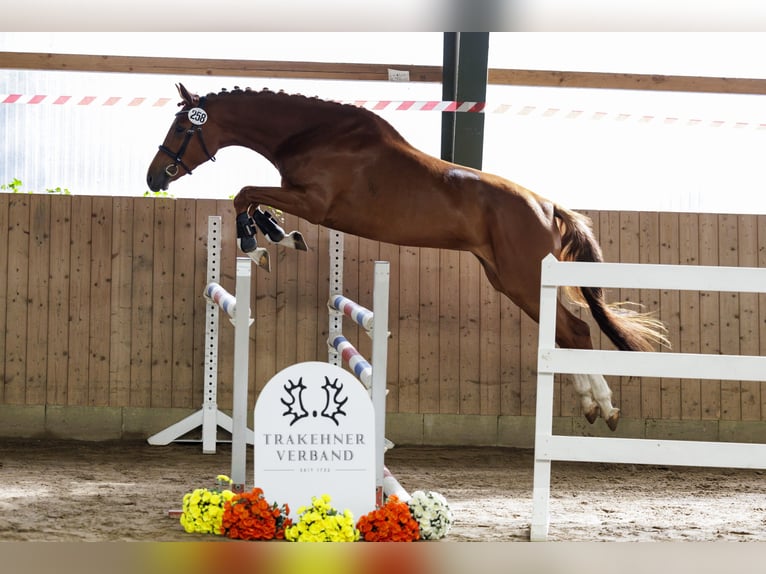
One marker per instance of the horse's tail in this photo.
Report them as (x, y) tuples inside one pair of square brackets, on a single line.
[(627, 329)]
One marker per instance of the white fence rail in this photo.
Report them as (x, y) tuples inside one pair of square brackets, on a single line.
[(549, 447)]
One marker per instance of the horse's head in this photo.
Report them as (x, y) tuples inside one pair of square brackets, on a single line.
[(185, 147)]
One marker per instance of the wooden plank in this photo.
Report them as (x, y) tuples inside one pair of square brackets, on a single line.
[(731, 408), (529, 335), (670, 312), (510, 360), (710, 333), (121, 301), (307, 296), (609, 239), (3, 286), (489, 347), (18, 297), (449, 332), (39, 279), (321, 283), (630, 241), (430, 332), (374, 72), (761, 230), (470, 342), (141, 297), (689, 317), (749, 343), (58, 308), (79, 302), (185, 293), (649, 252), (287, 305), (214, 67), (409, 329), (162, 303), (263, 333), (100, 301), (390, 253)]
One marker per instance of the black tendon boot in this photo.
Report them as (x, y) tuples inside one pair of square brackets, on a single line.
[(246, 232), (268, 226)]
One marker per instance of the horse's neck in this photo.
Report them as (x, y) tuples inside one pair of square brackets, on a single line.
[(264, 122)]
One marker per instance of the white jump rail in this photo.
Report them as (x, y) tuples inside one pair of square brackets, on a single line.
[(550, 447)]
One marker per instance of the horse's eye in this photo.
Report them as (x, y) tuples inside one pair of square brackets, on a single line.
[(180, 129)]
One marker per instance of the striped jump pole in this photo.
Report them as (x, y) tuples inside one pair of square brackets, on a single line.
[(362, 369), (361, 315)]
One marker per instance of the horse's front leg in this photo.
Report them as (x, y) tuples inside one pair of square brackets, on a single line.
[(250, 216)]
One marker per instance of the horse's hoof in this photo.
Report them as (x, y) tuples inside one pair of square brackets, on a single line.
[(592, 414), (298, 242), (261, 258), (247, 244), (613, 419)]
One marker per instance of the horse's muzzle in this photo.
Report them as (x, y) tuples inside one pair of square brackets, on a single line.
[(157, 182)]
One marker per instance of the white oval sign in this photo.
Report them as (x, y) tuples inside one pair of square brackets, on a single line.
[(197, 116)]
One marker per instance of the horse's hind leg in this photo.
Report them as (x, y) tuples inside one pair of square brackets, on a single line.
[(595, 394)]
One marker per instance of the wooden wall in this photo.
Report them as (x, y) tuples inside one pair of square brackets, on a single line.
[(100, 305)]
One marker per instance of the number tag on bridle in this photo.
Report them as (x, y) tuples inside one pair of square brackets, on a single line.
[(197, 116)]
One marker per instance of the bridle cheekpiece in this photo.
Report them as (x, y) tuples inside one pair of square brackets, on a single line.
[(197, 116)]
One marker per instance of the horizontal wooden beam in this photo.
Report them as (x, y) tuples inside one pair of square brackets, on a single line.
[(618, 81), (214, 67), (376, 72)]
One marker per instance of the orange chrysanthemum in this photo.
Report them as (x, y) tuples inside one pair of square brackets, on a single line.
[(249, 516), (392, 522)]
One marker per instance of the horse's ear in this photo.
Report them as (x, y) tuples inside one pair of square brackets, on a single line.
[(187, 97)]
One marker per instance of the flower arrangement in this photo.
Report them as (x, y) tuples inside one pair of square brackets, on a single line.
[(392, 522), (249, 516), (203, 509), (432, 513), (322, 523)]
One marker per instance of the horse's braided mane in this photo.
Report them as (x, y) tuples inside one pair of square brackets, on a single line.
[(281, 93)]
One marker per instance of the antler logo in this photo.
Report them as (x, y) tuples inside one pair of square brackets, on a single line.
[(334, 404), (295, 406)]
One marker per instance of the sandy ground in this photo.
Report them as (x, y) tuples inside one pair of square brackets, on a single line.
[(121, 491)]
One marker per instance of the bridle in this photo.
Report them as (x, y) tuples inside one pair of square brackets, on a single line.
[(197, 117)]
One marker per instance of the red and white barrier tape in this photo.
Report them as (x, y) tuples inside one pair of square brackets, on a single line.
[(399, 105)]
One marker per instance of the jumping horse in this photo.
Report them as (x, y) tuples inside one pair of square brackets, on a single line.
[(346, 168)]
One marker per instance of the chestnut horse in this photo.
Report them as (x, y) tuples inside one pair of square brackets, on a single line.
[(346, 168)]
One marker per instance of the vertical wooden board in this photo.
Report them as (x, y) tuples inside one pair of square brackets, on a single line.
[(390, 253), (79, 302), (18, 295), (710, 342), (100, 301), (449, 332), (350, 284), (287, 292), (609, 239), (121, 301), (58, 309), (649, 253), (630, 387), (369, 252), (141, 297), (409, 329), (489, 347), (3, 287), (470, 352), (38, 299), (322, 283), (184, 296), (263, 333), (731, 408), (428, 342), (761, 231), (749, 343), (510, 359), (529, 343), (307, 295), (689, 316), (162, 303), (670, 312), (204, 209)]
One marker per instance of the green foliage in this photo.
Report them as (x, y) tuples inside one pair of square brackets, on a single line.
[(15, 187), (158, 194)]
